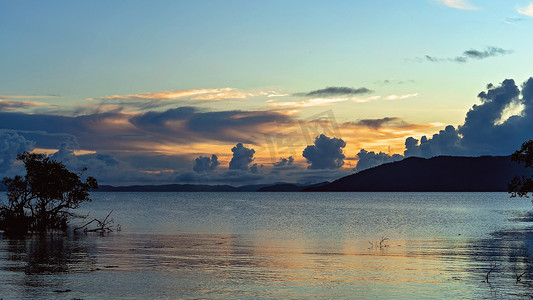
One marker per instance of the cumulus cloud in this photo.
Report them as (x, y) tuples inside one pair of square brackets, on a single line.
[(487, 129), (242, 157), (446, 142), (484, 131), (284, 162), (326, 153), (335, 91), (97, 164), (119, 169), (11, 144), (151, 168), (256, 168), (471, 54), (43, 139), (528, 10), (136, 148), (65, 152), (371, 159), (459, 4), (205, 164)]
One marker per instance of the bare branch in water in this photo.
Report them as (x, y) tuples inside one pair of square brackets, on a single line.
[(102, 226)]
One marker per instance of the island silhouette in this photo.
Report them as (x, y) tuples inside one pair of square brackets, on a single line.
[(436, 174), (412, 174)]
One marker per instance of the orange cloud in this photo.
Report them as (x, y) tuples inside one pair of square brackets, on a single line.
[(308, 103), (400, 97), (27, 96), (197, 94), (390, 97), (13, 105)]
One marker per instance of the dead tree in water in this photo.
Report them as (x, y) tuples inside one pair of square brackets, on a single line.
[(381, 244), (102, 226), (519, 276), (492, 267)]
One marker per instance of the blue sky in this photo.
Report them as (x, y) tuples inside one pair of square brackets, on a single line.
[(124, 59)]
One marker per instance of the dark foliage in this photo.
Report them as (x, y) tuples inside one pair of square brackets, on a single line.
[(42, 200), (522, 185)]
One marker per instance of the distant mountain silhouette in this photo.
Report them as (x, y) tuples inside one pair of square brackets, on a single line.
[(289, 187), (180, 188), (167, 188), (437, 174), (282, 187), (413, 174), (278, 187)]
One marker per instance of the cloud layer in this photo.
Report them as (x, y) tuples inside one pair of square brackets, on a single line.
[(376, 123), (115, 131), (186, 124), (148, 146), (334, 92), (13, 105), (528, 10), (459, 4), (200, 94), (471, 54)]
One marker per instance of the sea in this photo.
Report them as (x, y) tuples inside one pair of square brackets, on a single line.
[(282, 246)]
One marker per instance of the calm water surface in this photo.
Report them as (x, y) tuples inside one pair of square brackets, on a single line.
[(282, 245)]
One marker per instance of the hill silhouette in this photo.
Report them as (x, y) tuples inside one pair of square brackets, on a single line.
[(180, 188), (437, 174), (289, 187)]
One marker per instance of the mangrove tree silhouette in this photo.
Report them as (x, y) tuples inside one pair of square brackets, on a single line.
[(43, 199)]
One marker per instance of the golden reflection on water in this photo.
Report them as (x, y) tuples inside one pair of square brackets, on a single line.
[(258, 266)]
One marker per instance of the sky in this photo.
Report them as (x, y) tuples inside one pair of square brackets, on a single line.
[(255, 92)]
